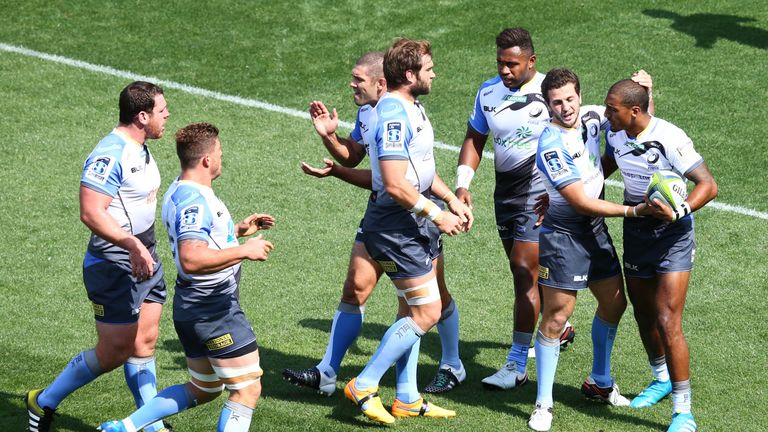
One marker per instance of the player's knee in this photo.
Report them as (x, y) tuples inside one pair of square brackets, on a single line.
[(356, 290), (112, 354), (243, 381)]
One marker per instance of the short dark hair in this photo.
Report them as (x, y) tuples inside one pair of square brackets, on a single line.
[(515, 37), (557, 78), (194, 141), (631, 94), (373, 62), (403, 55), (136, 97)]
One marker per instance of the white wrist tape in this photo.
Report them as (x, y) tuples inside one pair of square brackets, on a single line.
[(427, 209), (464, 175), (682, 210)]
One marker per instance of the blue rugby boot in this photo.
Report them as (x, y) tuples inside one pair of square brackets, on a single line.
[(651, 395), (682, 422)]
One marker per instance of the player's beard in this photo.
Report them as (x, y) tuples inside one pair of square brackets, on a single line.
[(420, 88)]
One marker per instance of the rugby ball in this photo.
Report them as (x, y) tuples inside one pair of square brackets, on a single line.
[(667, 187)]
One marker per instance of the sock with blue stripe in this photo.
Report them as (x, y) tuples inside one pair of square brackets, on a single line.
[(234, 417), (448, 330), (170, 401), (518, 353), (141, 377)]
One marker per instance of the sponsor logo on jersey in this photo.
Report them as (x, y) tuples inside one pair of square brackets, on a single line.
[(99, 169), (136, 169), (543, 272), (523, 132), (191, 219), (488, 92), (556, 165), (535, 111), (393, 136), (220, 342), (593, 130), (652, 158), (98, 309), (388, 266), (514, 98), (487, 108)]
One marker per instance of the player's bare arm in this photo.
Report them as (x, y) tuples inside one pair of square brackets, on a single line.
[(196, 257), (346, 151), (644, 79), (704, 191), (393, 175), (356, 177), (93, 213), (469, 160), (586, 205), (455, 205)]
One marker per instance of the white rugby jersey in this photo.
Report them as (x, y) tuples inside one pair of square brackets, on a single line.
[(125, 170), (365, 127), (403, 132), (565, 156), (661, 146), (192, 211), (515, 118)]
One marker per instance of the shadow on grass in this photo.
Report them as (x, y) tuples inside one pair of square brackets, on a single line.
[(708, 28), (13, 416)]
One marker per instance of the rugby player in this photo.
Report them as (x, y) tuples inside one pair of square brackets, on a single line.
[(398, 230), (217, 338), (658, 253), (122, 273), (575, 248), (511, 108), (369, 85)]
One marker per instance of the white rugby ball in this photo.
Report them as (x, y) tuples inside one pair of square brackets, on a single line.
[(667, 187)]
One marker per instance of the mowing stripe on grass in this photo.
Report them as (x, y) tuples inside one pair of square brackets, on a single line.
[(197, 91)]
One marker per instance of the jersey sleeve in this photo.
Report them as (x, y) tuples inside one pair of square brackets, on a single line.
[(193, 219), (554, 160), (393, 131), (477, 120), (681, 154), (356, 133), (103, 171)]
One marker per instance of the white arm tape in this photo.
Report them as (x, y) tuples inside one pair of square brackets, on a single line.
[(464, 175)]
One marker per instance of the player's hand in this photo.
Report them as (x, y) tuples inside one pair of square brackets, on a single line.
[(656, 209), (257, 249), (142, 263), (643, 78), (318, 172), (450, 224), (540, 208), (464, 213), (253, 223), (325, 122), (464, 196)]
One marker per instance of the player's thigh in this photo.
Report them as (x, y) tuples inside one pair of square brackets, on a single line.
[(241, 375), (204, 384), (642, 294), (149, 329), (362, 274), (671, 292)]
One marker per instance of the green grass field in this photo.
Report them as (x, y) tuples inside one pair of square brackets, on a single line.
[(708, 63)]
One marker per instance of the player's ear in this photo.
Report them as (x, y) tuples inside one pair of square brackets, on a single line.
[(381, 84), (532, 61), (410, 75), (142, 117)]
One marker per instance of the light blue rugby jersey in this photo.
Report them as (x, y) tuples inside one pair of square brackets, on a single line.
[(192, 211), (364, 131), (403, 132), (515, 118), (125, 170), (661, 146), (565, 156)]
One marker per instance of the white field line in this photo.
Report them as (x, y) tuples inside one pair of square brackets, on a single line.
[(197, 91)]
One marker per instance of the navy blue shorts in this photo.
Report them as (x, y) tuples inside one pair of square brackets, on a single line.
[(403, 254), (572, 261), (115, 294), (217, 336), (651, 247), (518, 226)]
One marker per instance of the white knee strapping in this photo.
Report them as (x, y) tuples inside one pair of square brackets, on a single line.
[(209, 383), (236, 378), (421, 295)]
